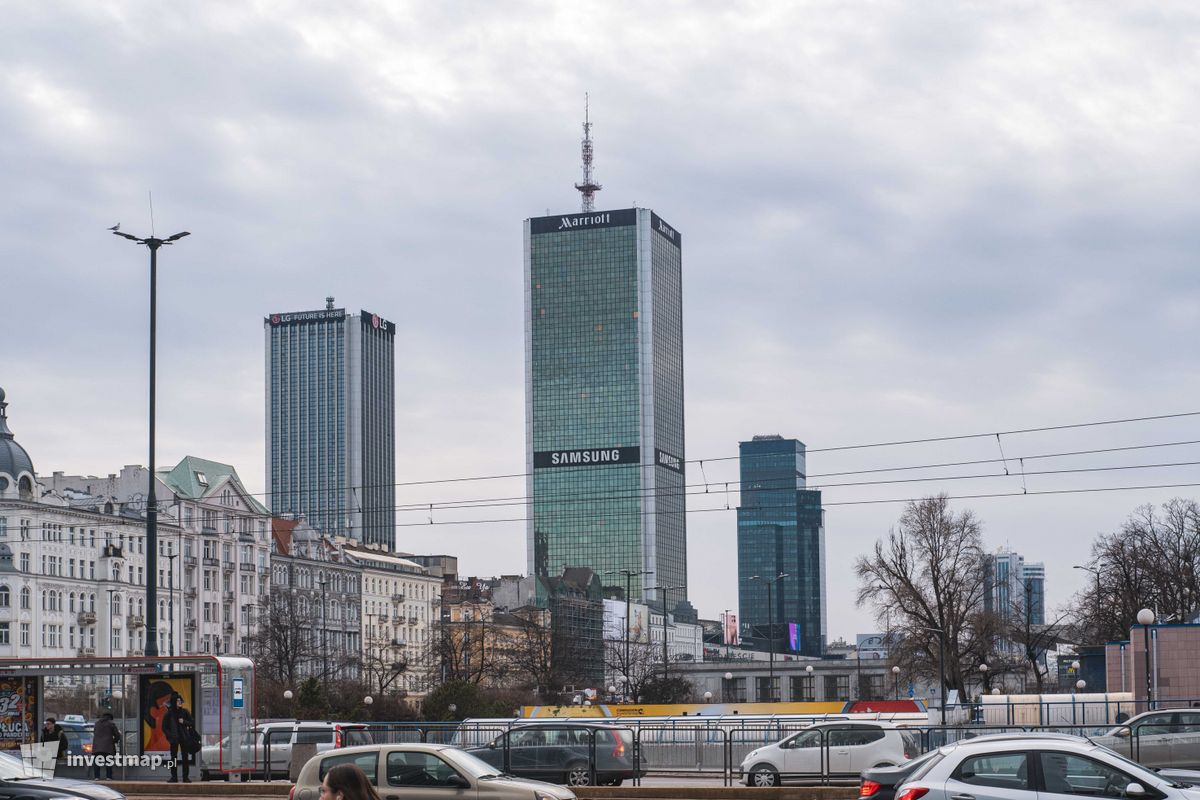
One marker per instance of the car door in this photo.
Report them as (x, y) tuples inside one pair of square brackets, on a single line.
[(1152, 738), (992, 776), (803, 754), (1069, 775), (277, 739), (842, 741), (422, 776)]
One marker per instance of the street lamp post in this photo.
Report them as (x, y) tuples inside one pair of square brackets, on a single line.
[(152, 243), (771, 639), (812, 689), (1095, 571), (1145, 618), (666, 657), (896, 680), (323, 582), (728, 687), (171, 556), (941, 667), (628, 573)]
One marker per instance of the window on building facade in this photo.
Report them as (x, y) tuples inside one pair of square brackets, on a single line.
[(26, 598), (4, 634), (25, 634), (4, 596)]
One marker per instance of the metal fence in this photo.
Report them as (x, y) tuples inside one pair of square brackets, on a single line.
[(617, 750)]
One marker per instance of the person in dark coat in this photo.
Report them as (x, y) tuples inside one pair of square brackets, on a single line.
[(54, 732), (180, 728), (104, 743)]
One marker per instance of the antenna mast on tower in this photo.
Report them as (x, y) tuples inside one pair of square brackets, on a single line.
[(588, 187)]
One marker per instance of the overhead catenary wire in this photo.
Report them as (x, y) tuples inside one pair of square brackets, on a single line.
[(808, 450)]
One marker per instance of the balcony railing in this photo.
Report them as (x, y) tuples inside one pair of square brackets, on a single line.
[(87, 652), (246, 566), (230, 627), (112, 551), (190, 624), (87, 617), (398, 598), (227, 595), (211, 562), (412, 620), (137, 621), (189, 561)]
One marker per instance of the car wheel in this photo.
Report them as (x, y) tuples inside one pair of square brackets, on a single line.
[(578, 775), (764, 776)]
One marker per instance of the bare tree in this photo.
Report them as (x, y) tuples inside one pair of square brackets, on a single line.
[(286, 648), (633, 667), (532, 652), (383, 664), (1152, 561), (928, 578)]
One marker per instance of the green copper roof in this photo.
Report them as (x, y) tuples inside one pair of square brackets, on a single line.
[(195, 478)]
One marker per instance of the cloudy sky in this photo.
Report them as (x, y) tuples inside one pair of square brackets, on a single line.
[(901, 220)]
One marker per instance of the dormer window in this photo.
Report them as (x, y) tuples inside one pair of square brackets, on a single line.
[(201, 478)]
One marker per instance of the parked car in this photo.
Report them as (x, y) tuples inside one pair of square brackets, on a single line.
[(277, 738), (1162, 738), (1037, 768), (829, 749), (561, 753), (418, 771), (879, 783), (17, 780)]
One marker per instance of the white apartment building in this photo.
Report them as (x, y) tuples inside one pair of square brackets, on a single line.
[(401, 607)]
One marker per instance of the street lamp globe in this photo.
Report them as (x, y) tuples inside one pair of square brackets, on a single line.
[(1145, 617), (708, 697), (896, 670), (368, 700), (452, 708), (983, 668), (995, 690), (612, 690), (728, 676), (1075, 666), (809, 669), (287, 694), (1080, 684)]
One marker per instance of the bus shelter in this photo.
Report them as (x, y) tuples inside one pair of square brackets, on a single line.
[(217, 690)]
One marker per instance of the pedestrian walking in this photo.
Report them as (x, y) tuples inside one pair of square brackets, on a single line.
[(53, 732), (180, 729), (347, 782), (104, 745)]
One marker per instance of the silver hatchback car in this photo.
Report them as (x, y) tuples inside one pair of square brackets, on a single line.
[(1038, 768)]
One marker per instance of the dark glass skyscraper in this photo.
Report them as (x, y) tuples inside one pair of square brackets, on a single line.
[(331, 421), (781, 529), (604, 398)]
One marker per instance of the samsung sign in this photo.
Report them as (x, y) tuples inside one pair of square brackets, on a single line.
[(664, 459), (571, 222), (587, 458)]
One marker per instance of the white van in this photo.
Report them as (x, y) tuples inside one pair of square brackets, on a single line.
[(278, 738)]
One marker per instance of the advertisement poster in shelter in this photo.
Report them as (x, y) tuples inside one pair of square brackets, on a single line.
[(18, 712), (154, 694)]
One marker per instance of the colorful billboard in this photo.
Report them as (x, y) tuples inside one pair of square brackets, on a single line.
[(729, 629), (794, 637), (155, 692), (18, 712)]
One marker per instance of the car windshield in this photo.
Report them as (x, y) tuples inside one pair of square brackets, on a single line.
[(473, 766)]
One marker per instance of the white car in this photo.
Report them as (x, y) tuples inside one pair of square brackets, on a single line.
[(1037, 768), (277, 738), (829, 749)]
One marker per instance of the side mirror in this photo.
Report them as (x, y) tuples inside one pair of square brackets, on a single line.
[(458, 781), (1123, 733), (492, 744), (1135, 790)]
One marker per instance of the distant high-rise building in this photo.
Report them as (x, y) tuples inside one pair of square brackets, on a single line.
[(604, 399), (1013, 588), (331, 421), (781, 530)]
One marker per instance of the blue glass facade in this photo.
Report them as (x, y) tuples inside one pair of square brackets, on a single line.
[(604, 397), (330, 410), (781, 529)]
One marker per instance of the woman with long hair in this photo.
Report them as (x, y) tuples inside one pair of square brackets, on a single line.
[(347, 782)]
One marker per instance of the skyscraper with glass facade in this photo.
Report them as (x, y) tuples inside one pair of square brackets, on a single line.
[(1014, 589), (331, 421), (604, 399), (780, 530)]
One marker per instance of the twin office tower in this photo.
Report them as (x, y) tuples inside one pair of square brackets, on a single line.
[(605, 456)]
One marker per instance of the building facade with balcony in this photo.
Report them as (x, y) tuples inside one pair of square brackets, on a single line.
[(316, 601), (72, 565), (401, 608), (213, 556)]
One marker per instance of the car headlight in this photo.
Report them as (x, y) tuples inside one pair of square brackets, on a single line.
[(544, 796)]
